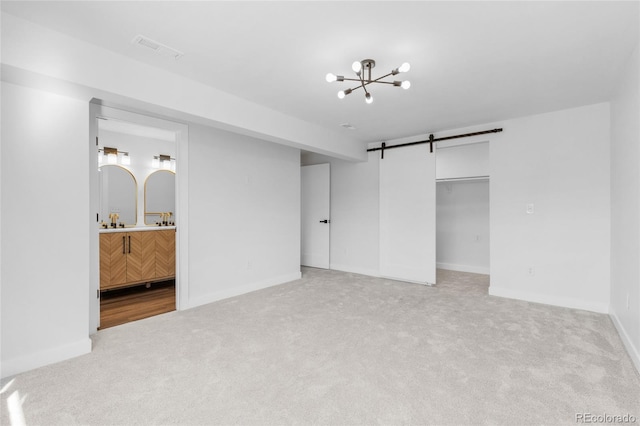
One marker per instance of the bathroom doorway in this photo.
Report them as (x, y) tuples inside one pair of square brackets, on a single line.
[(134, 195)]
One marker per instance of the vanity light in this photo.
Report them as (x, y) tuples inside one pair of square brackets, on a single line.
[(125, 160), (113, 156), (164, 162)]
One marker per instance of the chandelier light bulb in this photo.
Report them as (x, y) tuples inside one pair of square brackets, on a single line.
[(404, 67), (331, 78), (343, 93), (405, 84), (368, 98), (356, 66)]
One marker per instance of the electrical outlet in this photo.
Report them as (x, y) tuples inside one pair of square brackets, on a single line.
[(531, 271), (530, 208)]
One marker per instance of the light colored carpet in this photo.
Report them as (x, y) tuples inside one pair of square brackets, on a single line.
[(343, 349)]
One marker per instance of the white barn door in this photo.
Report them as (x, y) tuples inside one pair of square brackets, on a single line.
[(315, 221), (408, 214)]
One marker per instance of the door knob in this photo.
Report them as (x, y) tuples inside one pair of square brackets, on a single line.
[(325, 221)]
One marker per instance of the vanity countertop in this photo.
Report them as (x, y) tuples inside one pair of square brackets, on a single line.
[(135, 229)]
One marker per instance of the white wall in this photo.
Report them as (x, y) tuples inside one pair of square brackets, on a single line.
[(456, 159), (244, 214), (625, 208), (354, 213), (462, 226), (559, 162), (45, 228)]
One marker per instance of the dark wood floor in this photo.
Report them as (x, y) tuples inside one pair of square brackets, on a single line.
[(121, 306)]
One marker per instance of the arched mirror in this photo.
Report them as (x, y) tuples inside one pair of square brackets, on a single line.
[(160, 197), (118, 195)]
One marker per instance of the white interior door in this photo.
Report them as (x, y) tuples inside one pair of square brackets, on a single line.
[(408, 214), (315, 220)]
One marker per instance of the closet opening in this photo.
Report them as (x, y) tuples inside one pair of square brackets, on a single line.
[(462, 217)]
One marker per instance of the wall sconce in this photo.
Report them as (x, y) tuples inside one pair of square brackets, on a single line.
[(108, 155), (165, 162)]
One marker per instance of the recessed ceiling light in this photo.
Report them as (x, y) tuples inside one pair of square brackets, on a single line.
[(159, 48)]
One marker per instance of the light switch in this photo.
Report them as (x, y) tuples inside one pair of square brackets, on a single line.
[(530, 209)]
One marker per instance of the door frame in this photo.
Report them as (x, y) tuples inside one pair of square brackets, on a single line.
[(96, 111)]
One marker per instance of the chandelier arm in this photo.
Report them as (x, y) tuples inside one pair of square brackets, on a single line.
[(377, 80), (366, 83), (362, 83), (380, 78)]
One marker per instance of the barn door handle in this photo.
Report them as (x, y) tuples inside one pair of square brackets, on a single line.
[(129, 243), (123, 245), (325, 221)]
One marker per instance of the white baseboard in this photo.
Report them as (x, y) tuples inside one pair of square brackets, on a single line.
[(28, 362), (354, 270), (243, 289), (632, 350), (463, 268), (404, 280), (600, 308)]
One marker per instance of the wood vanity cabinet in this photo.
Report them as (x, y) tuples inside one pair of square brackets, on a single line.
[(128, 258), (165, 253)]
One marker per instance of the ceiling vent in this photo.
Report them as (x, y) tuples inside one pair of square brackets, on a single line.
[(159, 48), (348, 126)]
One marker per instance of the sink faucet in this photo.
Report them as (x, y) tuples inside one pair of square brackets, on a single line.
[(114, 218), (164, 218)]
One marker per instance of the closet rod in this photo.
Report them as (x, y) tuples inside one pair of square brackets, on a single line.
[(431, 140)]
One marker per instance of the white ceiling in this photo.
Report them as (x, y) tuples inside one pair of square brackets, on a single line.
[(471, 62)]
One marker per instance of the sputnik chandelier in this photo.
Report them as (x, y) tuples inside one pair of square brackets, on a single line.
[(363, 71)]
